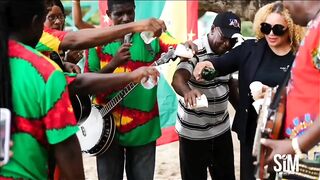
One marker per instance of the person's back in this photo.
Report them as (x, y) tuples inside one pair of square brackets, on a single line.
[(42, 113), (137, 116), (43, 116)]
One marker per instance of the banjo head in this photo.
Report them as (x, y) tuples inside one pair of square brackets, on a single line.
[(95, 133)]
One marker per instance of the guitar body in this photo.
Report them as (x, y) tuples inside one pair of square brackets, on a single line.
[(96, 134), (277, 122), (269, 126)]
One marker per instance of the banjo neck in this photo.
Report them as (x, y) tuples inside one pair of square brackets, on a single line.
[(123, 93), (117, 99)]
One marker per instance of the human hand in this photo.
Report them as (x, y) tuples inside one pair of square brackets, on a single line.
[(123, 55), (143, 73), (258, 90), (192, 46), (10, 153), (274, 147), (199, 67), (72, 68), (190, 98), (156, 26), (73, 56)]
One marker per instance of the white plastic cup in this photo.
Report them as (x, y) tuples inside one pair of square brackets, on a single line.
[(202, 101), (256, 89), (183, 51), (149, 83), (147, 36)]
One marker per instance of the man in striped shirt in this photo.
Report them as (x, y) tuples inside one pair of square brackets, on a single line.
[(204, 133)]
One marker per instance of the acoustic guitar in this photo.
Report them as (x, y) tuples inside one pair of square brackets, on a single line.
[(269, 125)]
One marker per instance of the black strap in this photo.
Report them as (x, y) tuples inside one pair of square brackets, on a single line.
[(149, 48), (57, 59)]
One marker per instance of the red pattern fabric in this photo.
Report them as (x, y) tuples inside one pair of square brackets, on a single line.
[(35, 60), (139, 117), (60, 106), (33, 127)]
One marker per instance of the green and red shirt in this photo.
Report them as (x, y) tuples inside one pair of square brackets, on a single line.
[(43, 113), (303, 99), (137, 116)]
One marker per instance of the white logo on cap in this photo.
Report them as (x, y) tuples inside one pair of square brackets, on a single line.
[(234, 23)]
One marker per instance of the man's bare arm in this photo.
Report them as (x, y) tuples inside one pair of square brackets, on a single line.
[(87, 38)]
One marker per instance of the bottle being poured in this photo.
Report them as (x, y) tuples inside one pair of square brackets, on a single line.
[(209, 73)]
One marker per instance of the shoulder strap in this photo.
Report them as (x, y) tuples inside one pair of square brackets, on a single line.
[(149, 48)]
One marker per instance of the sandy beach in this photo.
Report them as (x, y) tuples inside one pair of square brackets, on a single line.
[(167, 160)]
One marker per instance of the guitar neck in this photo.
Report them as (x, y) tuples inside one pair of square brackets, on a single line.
[(262, 121), (258, 150), (261, 172)]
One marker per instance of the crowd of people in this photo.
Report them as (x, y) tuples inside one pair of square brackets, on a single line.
[(39, 77)]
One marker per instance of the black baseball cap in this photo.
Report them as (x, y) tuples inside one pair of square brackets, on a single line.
[(228, 22)]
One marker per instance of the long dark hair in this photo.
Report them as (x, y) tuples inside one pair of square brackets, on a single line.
[(15, 16), (5, 75)]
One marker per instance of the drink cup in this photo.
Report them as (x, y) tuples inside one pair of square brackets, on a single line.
[(202, 101), (147, 36), (183, 51), (256, 89), (148, 83)]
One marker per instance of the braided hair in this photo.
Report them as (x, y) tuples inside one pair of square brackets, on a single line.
[(15, 17), (5, 76)]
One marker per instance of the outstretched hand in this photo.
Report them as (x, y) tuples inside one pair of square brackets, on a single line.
[(156, 26), (274, 147), (199, 67), (144, 73)]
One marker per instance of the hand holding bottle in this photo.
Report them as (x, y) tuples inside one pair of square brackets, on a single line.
[(197, 72)]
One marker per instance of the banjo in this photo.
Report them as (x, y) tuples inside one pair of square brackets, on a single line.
[(98, 129), (81, 104)]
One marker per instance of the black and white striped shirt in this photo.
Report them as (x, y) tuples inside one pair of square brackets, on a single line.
[(204, 123)]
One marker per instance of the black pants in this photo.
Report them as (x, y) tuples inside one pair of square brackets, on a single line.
[(247, 168), (198, 155)]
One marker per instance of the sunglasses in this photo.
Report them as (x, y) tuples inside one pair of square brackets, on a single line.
[(277, 29)]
